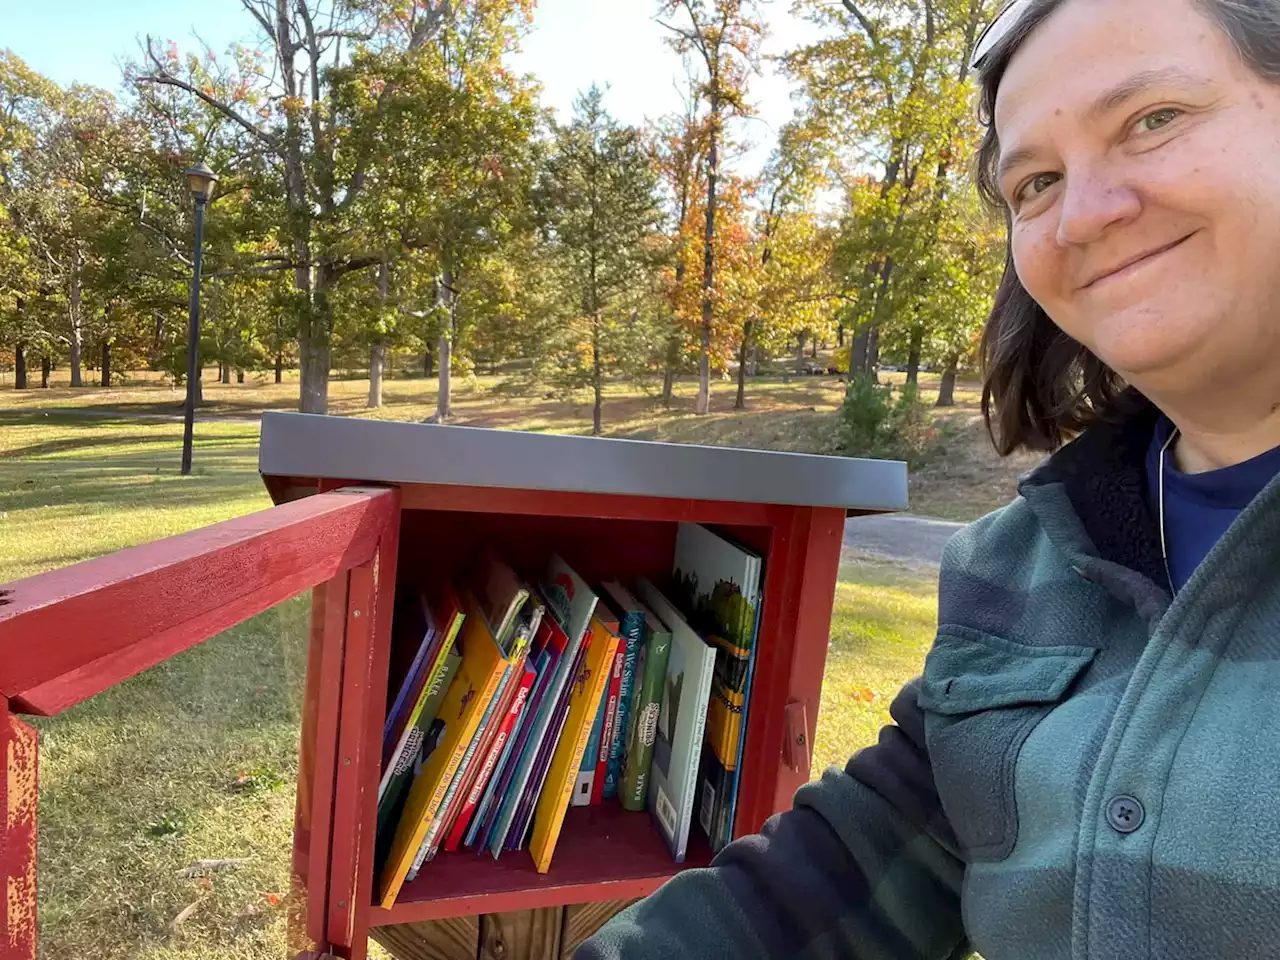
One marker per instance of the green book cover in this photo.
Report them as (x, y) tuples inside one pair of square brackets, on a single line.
[(420, 742), (646, 703)]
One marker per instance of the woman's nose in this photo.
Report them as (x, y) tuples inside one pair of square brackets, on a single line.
[(1093, 201)]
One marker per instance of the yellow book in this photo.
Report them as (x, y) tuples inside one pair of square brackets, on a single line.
[(584, 702), (464, 704)]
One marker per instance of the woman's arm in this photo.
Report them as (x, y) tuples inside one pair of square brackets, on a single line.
[(864, 866)]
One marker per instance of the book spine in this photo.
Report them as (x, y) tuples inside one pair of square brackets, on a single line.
[(609, 703), (506, 812), (431, 688), (455, 781), (629, 650), (460, 825), (584, 783), (502, 771), (692, 779), (491, 806), (529, 800), (644, 729), (410, 690)]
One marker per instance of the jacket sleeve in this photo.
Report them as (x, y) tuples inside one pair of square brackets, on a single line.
[(863, 866)]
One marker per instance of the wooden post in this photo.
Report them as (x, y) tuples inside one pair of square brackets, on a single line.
[(18, 748)]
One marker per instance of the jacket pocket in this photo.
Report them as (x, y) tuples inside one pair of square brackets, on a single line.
[(982, 696)]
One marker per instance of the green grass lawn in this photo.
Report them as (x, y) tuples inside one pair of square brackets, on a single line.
[(196, 758)]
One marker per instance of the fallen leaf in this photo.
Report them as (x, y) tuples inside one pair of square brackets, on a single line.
[(204, 883), (185, 915), (273, 899), (200, 866)]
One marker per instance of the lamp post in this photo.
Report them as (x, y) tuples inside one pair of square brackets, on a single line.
[(201, 180)]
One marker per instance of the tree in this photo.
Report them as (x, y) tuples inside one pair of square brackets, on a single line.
[(889, 92), (598, 199), (724, 37), (320, 110)]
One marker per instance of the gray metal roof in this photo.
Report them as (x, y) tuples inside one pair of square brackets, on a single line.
[(302, 445)]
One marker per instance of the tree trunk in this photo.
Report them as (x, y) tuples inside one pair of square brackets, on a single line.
[(709, 258), (800, 340), (858, 352), (44, 372), (597, 378), (279, 367), (199, 385), (313, 345), (813, 349), (428, 363), (239, 374), (740, 402), (444, 407), (73, 316), (754, 363), (840, 336), (225, 371), (913, 354), (106, 363), (20, 367), (947, 392), (377, 361), (873, 354)]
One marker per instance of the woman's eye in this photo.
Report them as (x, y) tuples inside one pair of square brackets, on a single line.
[(1159, 118), (1035, 186)]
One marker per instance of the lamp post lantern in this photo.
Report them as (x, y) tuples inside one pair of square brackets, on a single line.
[(201, 180)]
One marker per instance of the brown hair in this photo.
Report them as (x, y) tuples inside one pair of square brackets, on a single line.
[(1040, 387)]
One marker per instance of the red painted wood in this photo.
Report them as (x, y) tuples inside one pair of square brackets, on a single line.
[(19, 754), (603, 506), (604, 853), (58, 648), (369, 771), (819, 570), (799, 589), (312, 795)]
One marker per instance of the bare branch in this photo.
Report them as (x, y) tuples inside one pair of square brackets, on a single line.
[(868, 27), (261, 18), (164, 78)]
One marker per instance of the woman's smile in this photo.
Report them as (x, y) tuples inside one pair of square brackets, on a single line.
[(1138, 267)]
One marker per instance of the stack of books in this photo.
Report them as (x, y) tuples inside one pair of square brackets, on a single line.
[(516, 698)]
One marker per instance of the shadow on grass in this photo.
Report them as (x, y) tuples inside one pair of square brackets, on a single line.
[(137, 782)]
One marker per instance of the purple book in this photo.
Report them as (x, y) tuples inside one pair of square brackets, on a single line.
[(542, 765), (542, 684)]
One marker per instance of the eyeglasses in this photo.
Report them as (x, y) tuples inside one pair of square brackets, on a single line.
[(997, 30)]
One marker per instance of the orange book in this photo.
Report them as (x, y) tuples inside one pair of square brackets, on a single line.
[(469, 694), (584, 702)]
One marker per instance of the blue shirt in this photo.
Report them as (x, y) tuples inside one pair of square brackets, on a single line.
[(1199, 507)]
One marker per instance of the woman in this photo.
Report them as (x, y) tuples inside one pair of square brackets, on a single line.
[(1089, 766)]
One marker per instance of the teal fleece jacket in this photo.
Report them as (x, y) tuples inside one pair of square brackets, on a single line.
[(1088, 768)]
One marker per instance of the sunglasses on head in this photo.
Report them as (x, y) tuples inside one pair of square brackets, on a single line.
[(996, 31)]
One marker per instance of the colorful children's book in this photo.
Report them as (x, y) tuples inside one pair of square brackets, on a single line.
[(631, 623), (501, 595), (651, 670), (523, 820), (587, 688), (411, 620), (587, 771), (410, 757), (681, 723), (571, 603), (463, 821), (716, 584), (455, 796), (442, 615), (609, 702), (548, 648), (470, 693)]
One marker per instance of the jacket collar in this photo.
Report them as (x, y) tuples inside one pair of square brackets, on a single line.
[(1091, 498)]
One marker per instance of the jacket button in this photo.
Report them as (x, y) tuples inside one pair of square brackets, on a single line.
[(1125, 814)]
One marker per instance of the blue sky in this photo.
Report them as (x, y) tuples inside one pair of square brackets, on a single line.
[(573, 44)]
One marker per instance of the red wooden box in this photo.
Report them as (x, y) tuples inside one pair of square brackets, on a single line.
[(366, 505)]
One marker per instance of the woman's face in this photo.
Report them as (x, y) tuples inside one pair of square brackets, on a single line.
[(1141, 162)]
